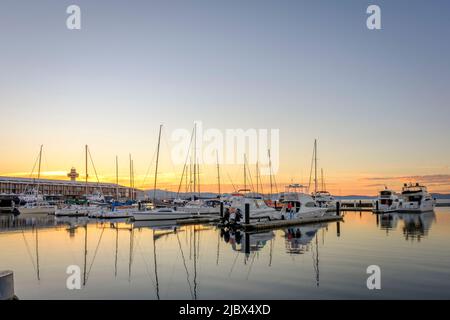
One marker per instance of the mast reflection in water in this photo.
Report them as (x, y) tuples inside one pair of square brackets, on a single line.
[(150, 260)]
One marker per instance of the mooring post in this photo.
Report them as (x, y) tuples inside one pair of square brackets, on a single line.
[(376, 205), (247, 214), (6, 285), (247, 242), (221, 210), (338, 208)]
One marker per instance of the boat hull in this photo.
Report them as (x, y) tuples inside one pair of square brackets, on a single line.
[(38, 210)]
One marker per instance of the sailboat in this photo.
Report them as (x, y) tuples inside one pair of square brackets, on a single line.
[(38, 206), (161, 213), (197, 206), (91, 207)]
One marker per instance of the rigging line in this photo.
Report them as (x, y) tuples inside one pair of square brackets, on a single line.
[(185, 163), (270, 255), (34, 166), (95, 254), (28, 249), (95, 171), (147, 266), (185, 267), (276, 184), (234, 262), (156, 267), (249, 174), (195, 267), (218, 247), (251, 265), (32, 171), (311, 169), (168, 146), (229, 177), (148, 169), (260, 181)]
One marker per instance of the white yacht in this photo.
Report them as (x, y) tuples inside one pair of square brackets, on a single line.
[(415, 198), (95, 197), (258, 208), (37, 207), (207, 206), (299, 205), (75, 210), (324, 199), (31, 195), (388, 201)]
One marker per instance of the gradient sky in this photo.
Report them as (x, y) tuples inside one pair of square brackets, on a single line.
[(378, 101)]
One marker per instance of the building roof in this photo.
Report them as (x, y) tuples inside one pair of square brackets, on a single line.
[(57, 182)]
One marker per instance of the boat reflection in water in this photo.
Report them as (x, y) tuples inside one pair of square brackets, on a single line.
[(414, 226), (118, 259)]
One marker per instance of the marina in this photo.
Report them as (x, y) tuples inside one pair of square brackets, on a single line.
[(224, 150), (122, 260)]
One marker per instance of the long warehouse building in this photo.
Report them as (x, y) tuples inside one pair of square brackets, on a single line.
[(61, 188)]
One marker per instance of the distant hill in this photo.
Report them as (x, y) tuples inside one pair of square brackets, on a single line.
[(163, 194), (354, 197), (441, 195)]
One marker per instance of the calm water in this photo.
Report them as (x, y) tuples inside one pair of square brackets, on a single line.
[(121, 261)]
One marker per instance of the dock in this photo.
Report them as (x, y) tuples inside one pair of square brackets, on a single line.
[(198, 220), (267, 225), (356, 205)]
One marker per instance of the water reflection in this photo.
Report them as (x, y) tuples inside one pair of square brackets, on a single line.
[(413, 225), (149, 260)]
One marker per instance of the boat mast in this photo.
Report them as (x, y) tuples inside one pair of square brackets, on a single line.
[(321, 174), (195, 157), (198, 177), (245, 173), (39, 168), (156, 168), (117, 178), (270, 168), (86, 166), (218, 171), (131, 179), (315, 166), (257, 177)]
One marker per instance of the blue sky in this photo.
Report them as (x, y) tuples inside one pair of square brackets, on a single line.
[(376, 100)]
